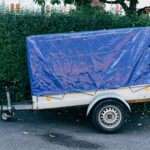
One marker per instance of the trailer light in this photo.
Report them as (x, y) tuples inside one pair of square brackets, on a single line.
[(48, 98)]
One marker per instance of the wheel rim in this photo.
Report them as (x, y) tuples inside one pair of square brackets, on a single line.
[(4, 116), (110, 116)]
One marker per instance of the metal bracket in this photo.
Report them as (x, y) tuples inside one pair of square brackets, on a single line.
[(9, 106)]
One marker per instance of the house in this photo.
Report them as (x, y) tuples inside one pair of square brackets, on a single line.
[(30, 5), (20, 4), (145, 10), (117, 8)]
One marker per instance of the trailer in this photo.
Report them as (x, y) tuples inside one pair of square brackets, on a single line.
[(103, 70)]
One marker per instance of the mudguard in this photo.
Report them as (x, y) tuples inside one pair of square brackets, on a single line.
[(100, 97)]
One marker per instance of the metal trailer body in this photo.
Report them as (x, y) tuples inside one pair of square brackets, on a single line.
[(133, 94)]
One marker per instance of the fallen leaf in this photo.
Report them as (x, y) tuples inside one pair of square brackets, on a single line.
[(20, 119), (59, 113), (24, 132), (139, 124), (52, 136), (77, 120)]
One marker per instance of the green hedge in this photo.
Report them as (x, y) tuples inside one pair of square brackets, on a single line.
[(14, 27)]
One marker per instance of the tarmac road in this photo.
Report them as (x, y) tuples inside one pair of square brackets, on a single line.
[(70, 130)]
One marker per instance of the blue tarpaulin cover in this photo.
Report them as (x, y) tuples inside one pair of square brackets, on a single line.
[(83, 61)]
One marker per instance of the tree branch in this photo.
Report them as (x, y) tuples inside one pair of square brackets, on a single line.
[(111, 2), (124, 6)]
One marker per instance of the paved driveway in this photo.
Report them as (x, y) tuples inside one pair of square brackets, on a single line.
[(69, 130)]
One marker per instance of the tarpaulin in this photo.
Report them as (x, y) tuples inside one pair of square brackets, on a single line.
[(83, 61)]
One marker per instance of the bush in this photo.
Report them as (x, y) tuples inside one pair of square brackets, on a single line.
[(15, 27)]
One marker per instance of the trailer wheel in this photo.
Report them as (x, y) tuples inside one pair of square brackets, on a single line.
[(6, 116), (109, 116)]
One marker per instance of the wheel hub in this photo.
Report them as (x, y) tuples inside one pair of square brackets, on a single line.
[(109, 117)]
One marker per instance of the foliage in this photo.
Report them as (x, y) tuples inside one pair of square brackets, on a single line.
[(15, 27), (42, 4)]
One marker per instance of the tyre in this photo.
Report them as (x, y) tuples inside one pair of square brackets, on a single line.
[(109, 116), (6, 116)]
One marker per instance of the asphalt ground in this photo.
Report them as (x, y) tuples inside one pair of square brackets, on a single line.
[(70, 130)]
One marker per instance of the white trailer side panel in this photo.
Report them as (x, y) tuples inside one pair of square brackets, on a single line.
[(132, 94)]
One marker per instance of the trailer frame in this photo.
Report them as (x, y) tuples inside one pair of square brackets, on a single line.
[(116, 98)]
